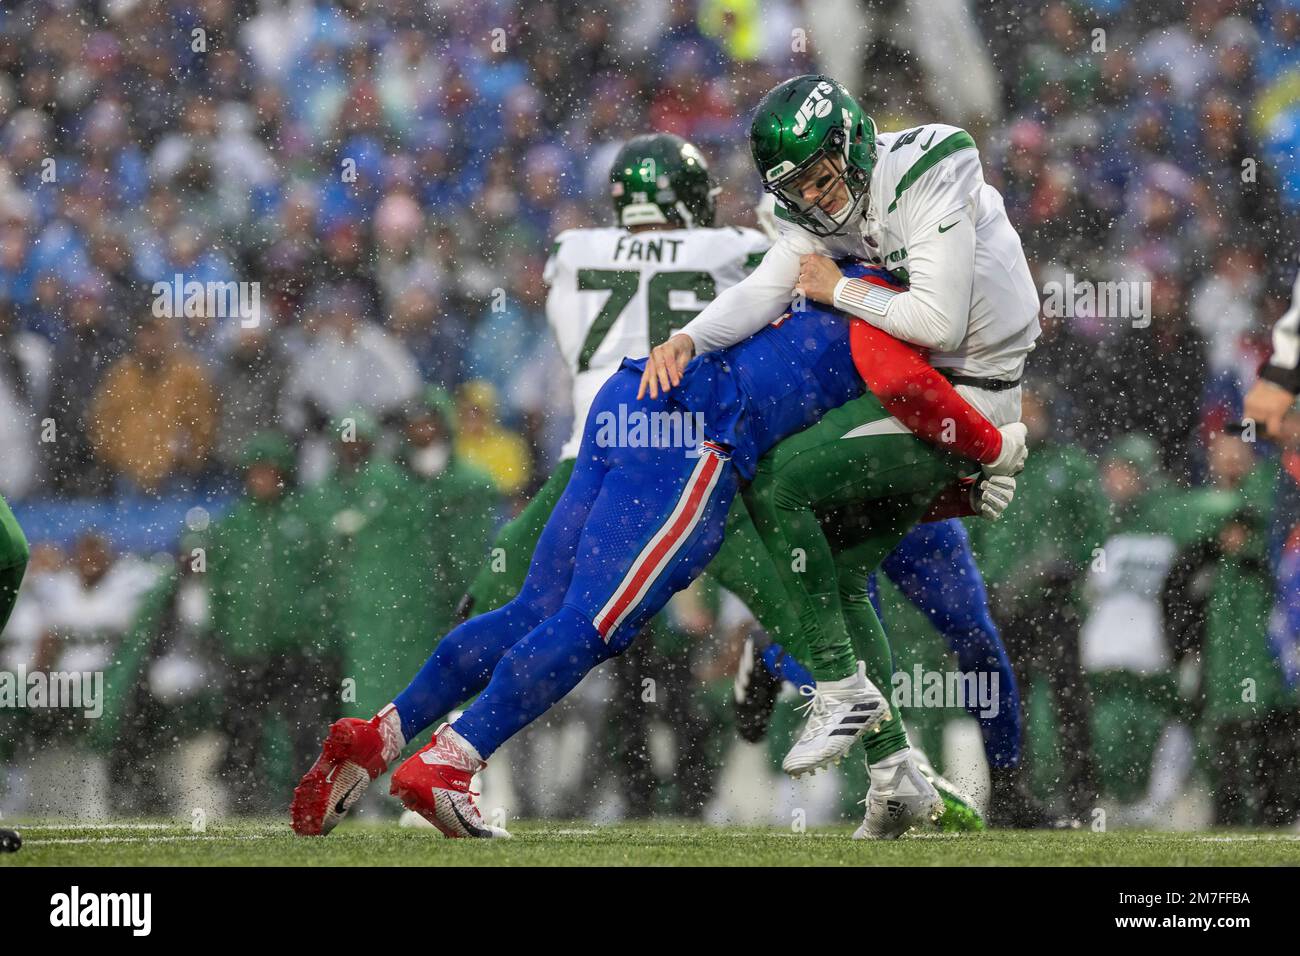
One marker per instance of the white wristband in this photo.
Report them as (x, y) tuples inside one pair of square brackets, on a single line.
[(862, 298)]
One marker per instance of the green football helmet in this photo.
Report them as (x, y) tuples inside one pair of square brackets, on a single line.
[(660, 179), (798, 124)]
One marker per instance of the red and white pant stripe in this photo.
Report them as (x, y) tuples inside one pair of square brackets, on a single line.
[(659, 552)]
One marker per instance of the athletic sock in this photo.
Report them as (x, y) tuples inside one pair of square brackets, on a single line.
[(882, 770), (389, 722), (451, 735), (872, 646), (461, 665)]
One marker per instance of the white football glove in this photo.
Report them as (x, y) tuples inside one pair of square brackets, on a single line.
[(989, 496), (1011, 460)]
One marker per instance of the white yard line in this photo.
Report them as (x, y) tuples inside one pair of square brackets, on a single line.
[(195, 838), (24, 827)]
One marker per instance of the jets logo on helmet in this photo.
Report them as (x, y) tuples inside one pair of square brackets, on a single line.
[(806, 126), (662, 180), (816, 104)]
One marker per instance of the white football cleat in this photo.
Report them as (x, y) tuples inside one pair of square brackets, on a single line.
[(839, 712), (903, 800)]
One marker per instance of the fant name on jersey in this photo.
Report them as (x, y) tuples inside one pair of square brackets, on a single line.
[(630, 248), (614, 293)]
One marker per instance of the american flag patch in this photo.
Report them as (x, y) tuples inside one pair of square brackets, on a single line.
[(855, 295)]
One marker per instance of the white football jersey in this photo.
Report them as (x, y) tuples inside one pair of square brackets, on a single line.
[(612, 293), (931, 217)]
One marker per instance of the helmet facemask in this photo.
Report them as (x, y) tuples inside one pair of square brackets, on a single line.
[(833, 159)]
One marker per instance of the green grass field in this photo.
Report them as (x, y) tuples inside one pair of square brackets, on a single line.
[(659, 844)]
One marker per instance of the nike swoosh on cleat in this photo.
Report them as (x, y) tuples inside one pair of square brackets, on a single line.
[(339, 807), (477, 831)]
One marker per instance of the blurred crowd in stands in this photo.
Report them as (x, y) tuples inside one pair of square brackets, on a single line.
[(388, 176)]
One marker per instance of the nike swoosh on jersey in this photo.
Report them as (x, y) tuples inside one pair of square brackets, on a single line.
[(943, 229), (926, 144)]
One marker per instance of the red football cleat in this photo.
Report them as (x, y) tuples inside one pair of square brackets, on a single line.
[(355, 752), (435, 784)]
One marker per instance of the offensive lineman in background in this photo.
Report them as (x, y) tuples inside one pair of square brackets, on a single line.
[(845, 491)]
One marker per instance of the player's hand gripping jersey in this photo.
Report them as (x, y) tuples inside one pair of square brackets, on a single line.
[(614, 293)]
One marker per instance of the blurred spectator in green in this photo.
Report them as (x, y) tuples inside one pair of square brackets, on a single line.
[(1034, 560), (164, 695), (378, 541), (1125, 649), (1217, 608), (456, 506), (71, 618), (270, 620)]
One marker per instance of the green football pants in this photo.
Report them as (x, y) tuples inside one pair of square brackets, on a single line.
[(831, 503)]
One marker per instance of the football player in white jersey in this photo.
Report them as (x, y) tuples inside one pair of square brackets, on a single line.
[(915, 202)]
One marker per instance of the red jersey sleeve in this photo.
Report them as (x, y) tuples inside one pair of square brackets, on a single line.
[(913, 392)]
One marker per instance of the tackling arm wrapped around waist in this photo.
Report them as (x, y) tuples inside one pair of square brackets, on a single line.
[(919, 397)]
